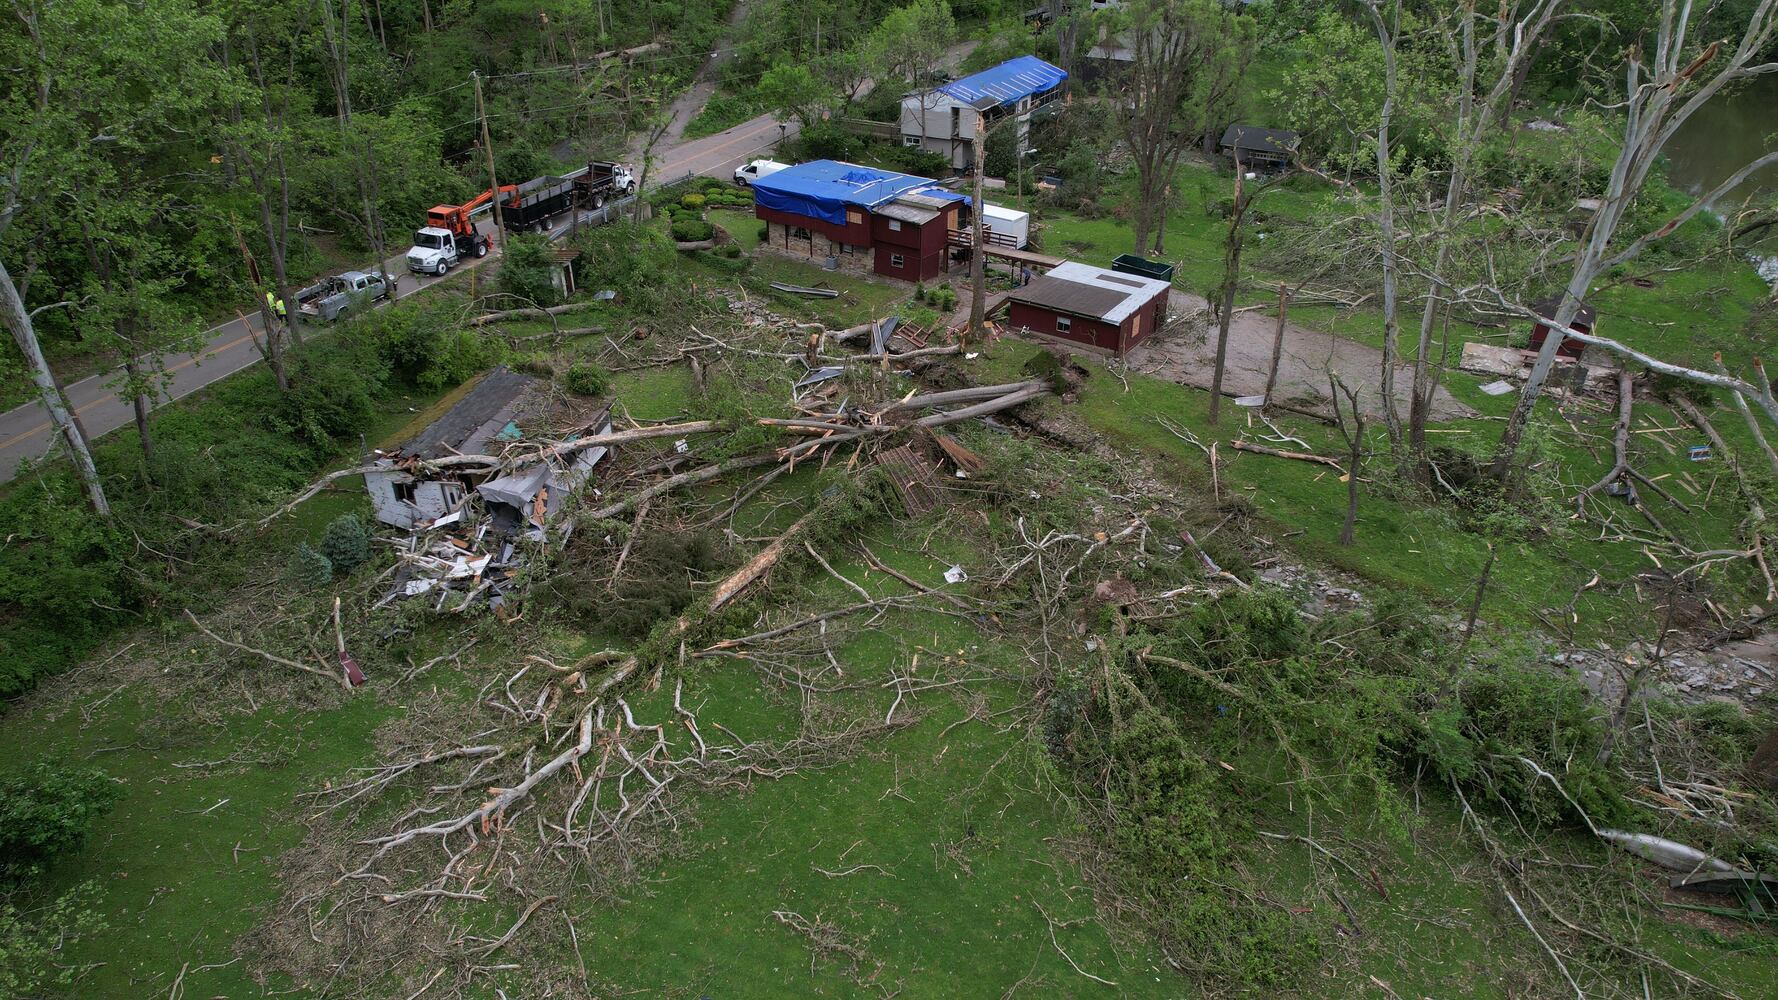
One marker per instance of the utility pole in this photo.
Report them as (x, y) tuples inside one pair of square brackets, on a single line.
[(978, 284), (481, 111)]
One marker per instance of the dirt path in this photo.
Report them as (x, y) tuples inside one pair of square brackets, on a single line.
[(1186, 353)]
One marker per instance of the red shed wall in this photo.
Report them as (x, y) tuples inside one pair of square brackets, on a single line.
[(1083, 331)]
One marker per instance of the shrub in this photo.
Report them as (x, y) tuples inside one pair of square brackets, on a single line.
[(825, 140), (48, 812), (584, 378), (919, 291), (694, 202), (346, 543), (525, 269), (765, 232), (32, 940), (333, 389), (308, 568), (729, 250), (692, 231)]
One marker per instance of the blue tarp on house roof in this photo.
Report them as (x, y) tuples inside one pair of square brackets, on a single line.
[(823, 189), (1010, 81)]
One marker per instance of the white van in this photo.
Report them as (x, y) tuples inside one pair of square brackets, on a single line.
[(746, 175)]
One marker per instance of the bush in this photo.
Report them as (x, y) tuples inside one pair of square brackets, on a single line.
[(308, 568), (765, 232), (333, 390), (824, 140), (32, 940), (525, 269), (692, 231), (48, 812), (346, 543), (694, 202), (584, 378)]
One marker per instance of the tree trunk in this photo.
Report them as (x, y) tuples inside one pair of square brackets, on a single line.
[(1386, 225), (978, 278), (1225, 312), (24, 334), (140, 402), (1277, 344)]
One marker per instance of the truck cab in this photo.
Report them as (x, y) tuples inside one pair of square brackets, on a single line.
[(434, 251), (747, 174)]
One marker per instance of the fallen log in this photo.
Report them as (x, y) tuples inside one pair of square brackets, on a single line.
[(690, 478), (1301, 456), (527, 313)]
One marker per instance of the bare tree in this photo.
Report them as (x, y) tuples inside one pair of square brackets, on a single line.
[(1387, 35), (1188, 58), (1661, 93), (1245, 195), (1353, 432), (1510, 47)]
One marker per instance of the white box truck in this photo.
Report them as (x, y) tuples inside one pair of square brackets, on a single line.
[(1007, 224)]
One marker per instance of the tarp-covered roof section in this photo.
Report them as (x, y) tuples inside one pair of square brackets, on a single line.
[(824, 189), (1012, 80)]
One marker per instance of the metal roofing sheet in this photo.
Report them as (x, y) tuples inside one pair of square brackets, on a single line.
[(1010, 81), (906, 213)]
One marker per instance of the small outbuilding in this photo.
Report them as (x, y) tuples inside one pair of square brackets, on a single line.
[(503, 408), (1583, 321), (1253, 146), (1100, 308)]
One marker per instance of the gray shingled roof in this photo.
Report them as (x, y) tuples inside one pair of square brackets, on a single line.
[(1252, 138), (1072, 297), (495, 397)]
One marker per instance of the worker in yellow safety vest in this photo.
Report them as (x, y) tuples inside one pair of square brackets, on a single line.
[(275, 304)]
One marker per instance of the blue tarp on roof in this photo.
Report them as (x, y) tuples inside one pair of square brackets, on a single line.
[(1010, 81), (823, 189)]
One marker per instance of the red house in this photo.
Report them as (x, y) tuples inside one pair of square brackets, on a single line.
[(862, 218), (1103, 309), (1583, 322)]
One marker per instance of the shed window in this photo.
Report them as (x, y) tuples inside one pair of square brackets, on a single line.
[(848, 248), (895, 260), (854, 217), (800, 233), (1063, 324), (910, 140), (404, 492), (895, 225)]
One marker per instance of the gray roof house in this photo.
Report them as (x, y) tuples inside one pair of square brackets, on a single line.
[(503, 408), (1256, 147)]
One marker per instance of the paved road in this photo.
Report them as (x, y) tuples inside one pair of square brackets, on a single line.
[(25, 431)]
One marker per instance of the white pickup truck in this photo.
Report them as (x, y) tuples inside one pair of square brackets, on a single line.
[(331, 298)]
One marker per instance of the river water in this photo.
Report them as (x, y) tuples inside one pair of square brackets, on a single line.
[(1724, 136)]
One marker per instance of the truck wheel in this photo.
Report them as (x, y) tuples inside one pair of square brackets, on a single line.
[(481, 249), (443, 266), (598, 201), (546, 224)]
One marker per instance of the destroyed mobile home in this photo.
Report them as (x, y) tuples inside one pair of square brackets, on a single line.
[(478, 481)]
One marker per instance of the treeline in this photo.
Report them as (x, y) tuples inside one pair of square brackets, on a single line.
[(166, 167)]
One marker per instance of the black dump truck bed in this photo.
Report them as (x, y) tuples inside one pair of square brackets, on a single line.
[(535, 201)]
